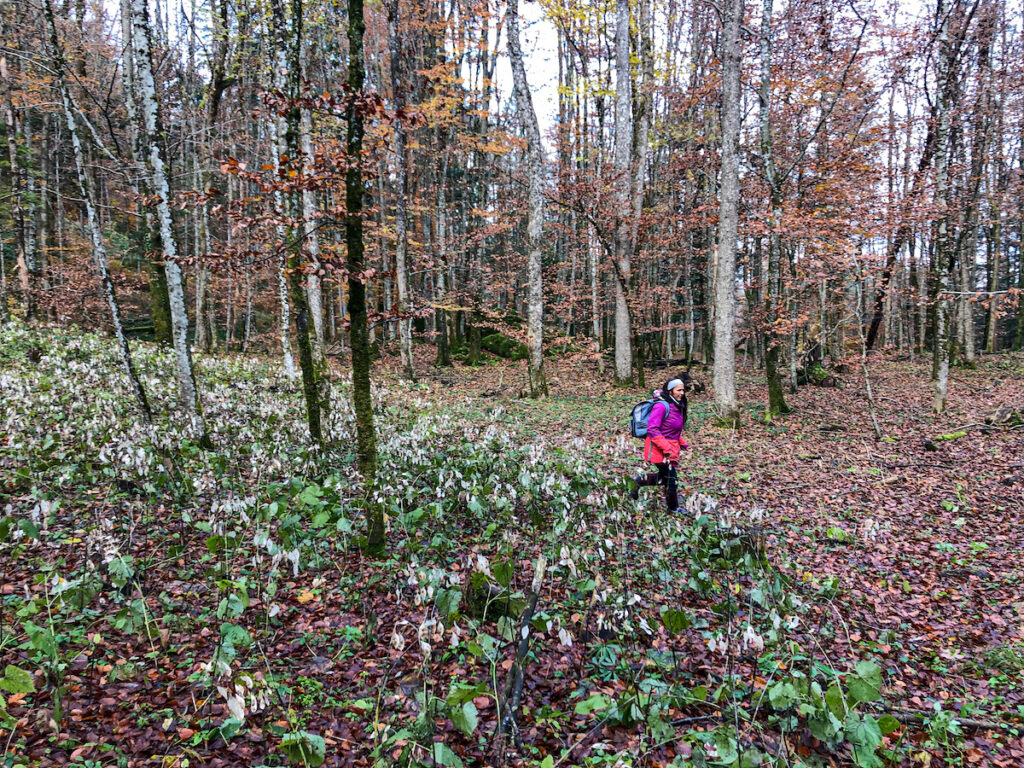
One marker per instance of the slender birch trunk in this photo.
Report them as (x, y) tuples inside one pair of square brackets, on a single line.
[(87, 190), (314, 294), (188, 392), (280, 150), (535, 205), (289, 39), (12, 126), (159, 299), (995, 239)]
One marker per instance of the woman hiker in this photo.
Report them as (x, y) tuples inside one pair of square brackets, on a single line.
[(664, 442)]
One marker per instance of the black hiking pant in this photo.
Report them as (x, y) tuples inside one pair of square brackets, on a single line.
[(666, 476)]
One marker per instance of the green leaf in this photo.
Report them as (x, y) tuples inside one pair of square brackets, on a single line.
[(887, 724), (462, 693), (30, 529), (863, 691), (447, 601), (866, 758), (863, 731), (229, 728), (725, 743), (464, 717), (310, 495), (676, 621), (503, 573), (782, 695), (595, 702), (548, 762), (834, 701), (122, 570), (304, 748), (506, 628), (442, 755), (17, 680), (235, 636), (870, 673), (825, 728), (41, 639)]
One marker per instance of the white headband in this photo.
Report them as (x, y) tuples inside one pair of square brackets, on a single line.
[(673, 384)]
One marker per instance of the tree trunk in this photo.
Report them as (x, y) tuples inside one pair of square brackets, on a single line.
[(980, 142), (160, 300), (401, 194), (188, 392), (314, 385), (87, 190), (1018, 338), (726, 405), (943, 251), (311, 240), (773, 294), (995, 245), (12, 126), (366, 437), (535, 212), (622, 245), (444, 357)]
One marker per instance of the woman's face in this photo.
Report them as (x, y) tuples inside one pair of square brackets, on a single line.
[(677, 392)]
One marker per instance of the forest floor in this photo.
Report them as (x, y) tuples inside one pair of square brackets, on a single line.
[(827, 599)]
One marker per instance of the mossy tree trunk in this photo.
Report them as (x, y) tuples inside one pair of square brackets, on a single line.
[(359, 332), (773, 296)]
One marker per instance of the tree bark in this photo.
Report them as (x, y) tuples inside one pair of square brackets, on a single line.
[(622, 245), (12, 126), (773, 294), (279, 148), (943, 251), (980, 143), (401, 193), (314, 384), (152, 129), (726, 405), (535, 206), (160, 300), (366, 437), (87, 190)]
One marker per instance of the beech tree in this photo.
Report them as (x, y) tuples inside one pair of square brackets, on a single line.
[(535, 213), (358, 327), (728, 213)]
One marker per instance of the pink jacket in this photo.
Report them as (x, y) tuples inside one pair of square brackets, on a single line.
[(665, 432)]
